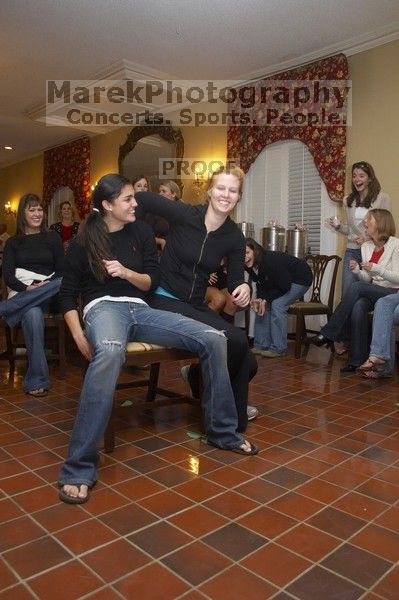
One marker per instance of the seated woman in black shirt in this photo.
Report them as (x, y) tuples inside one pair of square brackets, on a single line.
[(32, 258)]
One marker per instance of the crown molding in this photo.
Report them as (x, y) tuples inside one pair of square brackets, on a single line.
[(361, 43)]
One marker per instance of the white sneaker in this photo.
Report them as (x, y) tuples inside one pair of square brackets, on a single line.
[(252, 412), (256, 350), (271, 354)]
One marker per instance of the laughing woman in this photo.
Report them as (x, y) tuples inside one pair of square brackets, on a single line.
[(199, 238), (112, 265), (378, 276), (32, 269), (365, 194), (281, 279)]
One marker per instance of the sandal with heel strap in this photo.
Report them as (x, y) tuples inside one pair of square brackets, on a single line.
[(371, 365)]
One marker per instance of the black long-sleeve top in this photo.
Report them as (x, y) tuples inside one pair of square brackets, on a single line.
[(277, 271), (191, 253), (133, 246), (39, 252)]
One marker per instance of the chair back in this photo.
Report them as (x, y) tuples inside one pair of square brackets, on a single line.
[(319, 264)]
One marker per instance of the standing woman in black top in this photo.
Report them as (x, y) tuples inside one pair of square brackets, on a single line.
[(199, 237), (281, 279), (32, 258)]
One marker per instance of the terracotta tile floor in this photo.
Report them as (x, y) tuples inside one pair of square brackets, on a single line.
[(315, 516)]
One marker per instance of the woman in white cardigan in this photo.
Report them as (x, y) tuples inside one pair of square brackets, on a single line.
[(366, 193), (377, 276)]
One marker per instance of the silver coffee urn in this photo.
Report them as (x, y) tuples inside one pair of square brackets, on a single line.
[(248, 229), (273, 237), (297, 241)]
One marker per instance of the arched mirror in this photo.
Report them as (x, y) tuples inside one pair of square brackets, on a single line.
[(145, 147)]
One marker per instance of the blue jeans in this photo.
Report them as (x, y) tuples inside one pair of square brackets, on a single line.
[(386, 315), (109, 326), (347, 276), (37, 374), (339, 328), (271, 328)]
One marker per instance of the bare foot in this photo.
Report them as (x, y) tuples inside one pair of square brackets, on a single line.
[(74, 494), (247, 448)]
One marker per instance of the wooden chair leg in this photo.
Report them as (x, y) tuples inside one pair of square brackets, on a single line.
[(61, 351), (300, 328), (153, 382), (10, 349)]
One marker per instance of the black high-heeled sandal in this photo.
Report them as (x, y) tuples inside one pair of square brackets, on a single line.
[(320, 340)]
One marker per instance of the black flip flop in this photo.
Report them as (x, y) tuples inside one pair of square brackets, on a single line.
[(73, 499), (239, 450)]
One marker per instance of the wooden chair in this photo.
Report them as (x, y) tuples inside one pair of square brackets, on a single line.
[(140, 354), (301, 309)]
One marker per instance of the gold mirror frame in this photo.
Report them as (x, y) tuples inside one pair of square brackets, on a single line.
[(172, 135)]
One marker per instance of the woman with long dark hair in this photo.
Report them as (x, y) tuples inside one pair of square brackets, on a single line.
[(365, 194), (199, 237), (32, 270), (112, 265), (281, 279)]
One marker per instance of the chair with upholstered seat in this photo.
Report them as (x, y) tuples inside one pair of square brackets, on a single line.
[(323, 267), (140, 354)]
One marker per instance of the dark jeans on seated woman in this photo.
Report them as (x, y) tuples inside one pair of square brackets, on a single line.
[(241, 363), (349, 320)]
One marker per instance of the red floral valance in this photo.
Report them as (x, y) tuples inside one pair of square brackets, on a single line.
[(326, 143), (68, 165)]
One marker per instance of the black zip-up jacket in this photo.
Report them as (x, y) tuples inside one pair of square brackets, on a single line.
[(191, 253), (277, 271)]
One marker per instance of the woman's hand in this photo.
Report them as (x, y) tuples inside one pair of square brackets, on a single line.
[(353, 264), (115, 269), (212, 278), (334, 222), (161, 243), (241, 295), (83, 345), (366, 266), (258, 305), (33, 286), (360, 239)]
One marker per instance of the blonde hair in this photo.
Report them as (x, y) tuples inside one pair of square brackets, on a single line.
[(235, 171), (174, 188), (385, 223)]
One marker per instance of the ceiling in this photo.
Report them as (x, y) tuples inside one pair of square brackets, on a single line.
[(213, 39)]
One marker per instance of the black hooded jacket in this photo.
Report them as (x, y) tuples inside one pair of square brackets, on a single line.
[(191, 253)]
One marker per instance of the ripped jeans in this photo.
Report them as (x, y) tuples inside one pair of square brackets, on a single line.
[(109, 326)]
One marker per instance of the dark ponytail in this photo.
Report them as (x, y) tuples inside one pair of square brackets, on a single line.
[(94, 235)]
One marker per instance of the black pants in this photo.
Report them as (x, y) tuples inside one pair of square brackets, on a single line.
[(241, 362)]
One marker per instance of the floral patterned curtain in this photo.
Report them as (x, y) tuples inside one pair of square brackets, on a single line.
[(326, 143), (68, 165)]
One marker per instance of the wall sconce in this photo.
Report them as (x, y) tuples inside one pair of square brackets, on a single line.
[(9, 210)]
